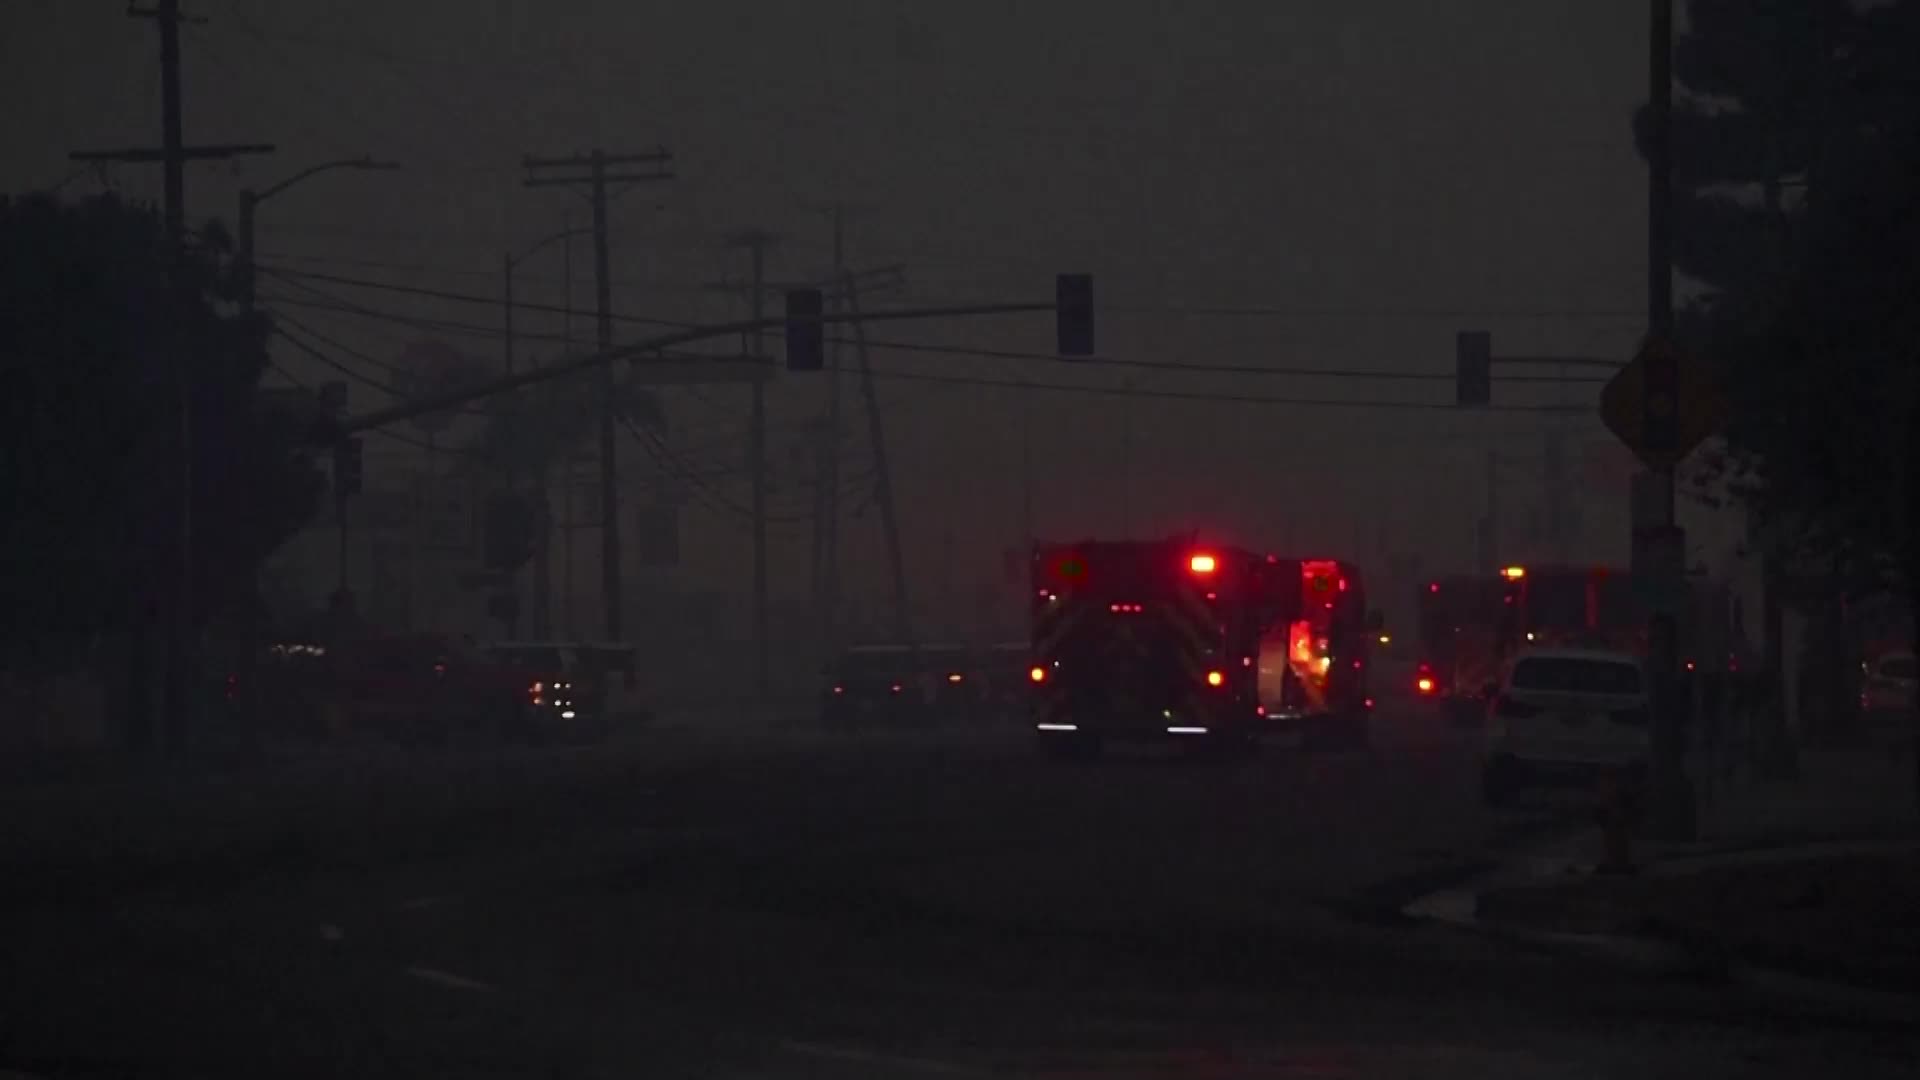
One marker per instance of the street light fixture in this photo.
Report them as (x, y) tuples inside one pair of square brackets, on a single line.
[(250, 201), (510, 262)]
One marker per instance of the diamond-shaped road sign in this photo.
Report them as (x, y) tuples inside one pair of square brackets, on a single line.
[(1693, 413)]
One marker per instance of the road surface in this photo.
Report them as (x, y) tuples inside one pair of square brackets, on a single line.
[(946, 905)]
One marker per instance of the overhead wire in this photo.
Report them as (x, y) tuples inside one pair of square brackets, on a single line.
[(1373, 374)]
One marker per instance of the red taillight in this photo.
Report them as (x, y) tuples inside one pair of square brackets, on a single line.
[(839, 689), (535, 691), (1216, 678), (1425, 685), (1433, 587), (1126, 609), (1368, 703), (955, 677), (895, 688), (1038, 674), (1203, 564)]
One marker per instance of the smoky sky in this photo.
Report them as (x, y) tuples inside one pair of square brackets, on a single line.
[(1336, 185)]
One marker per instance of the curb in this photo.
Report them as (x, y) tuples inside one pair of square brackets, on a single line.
[(1677, 952)]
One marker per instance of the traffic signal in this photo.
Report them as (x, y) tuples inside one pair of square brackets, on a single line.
[(1660, 433), (347, 467), (806, 340), (1073, 313), (510, 533), (1473, 367)]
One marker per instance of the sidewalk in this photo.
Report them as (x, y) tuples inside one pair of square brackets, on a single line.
[(1816, 878)]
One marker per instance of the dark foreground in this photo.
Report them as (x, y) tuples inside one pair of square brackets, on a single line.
[(894, 907)]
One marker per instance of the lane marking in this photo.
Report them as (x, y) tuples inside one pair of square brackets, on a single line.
[(449, 980), (888, 1061)]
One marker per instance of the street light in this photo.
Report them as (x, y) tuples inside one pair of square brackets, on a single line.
[(250, 201), (509, 262)]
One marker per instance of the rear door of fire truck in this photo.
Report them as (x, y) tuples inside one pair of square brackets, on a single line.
[(1131, 640)]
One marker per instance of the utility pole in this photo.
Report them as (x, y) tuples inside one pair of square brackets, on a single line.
[(756, 241), (826, 525), (173, 154), (1555, 479), (596, 179), (1490, 524), (883, 493), (1672, 793)]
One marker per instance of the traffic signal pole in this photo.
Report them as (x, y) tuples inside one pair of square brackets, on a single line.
[(1672, 793), (645, 352)]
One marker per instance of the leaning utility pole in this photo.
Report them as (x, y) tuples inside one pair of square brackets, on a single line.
[(883, 484), (826, 495), (173, 154), (596, 179), (756, 241), (826, 523)]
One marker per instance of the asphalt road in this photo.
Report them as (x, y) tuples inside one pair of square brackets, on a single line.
[(925, 906)]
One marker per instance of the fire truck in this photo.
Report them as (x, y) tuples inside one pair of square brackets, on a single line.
[(1599, 607), (1180, 640), (1459, 638)]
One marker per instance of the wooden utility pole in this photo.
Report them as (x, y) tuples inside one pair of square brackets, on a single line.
[(596, 178), (756, 241), (883, 484), (172, 155)]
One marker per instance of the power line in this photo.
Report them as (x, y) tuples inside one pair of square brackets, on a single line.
[(466, 298), (1133, 392), (1378, 375), (1242, 399), (424, 325), (358, 376), (705, 492)]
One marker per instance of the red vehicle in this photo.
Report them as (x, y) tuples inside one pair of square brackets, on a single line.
[(1600, 607), (1329, 652), (1572, 607), (431, 689), (1460, 646), (1176, 639)]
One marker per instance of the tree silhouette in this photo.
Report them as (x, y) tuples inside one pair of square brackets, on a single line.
[(90, 314), (1794, 146)]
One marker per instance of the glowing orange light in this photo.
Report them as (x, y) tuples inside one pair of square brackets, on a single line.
[(1038, 674), (1215, 678), (1425, 685), (954, 678), (1202, 564), (1514, 573)]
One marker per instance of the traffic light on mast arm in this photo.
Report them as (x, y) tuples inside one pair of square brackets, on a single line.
[(806, 340), (1073, 314)]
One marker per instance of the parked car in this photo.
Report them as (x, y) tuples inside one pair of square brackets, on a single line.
[(1564, 716)]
